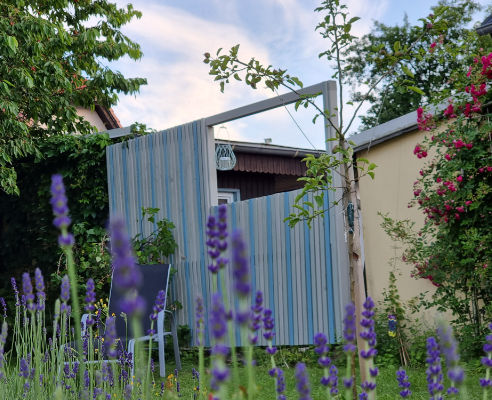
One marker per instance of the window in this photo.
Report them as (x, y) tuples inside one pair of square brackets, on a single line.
[(226, 196)]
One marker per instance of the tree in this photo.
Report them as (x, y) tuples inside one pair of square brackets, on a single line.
[(430, 74), (336, 28), (52, 56)]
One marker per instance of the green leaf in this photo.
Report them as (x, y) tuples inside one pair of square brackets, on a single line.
[(12, 43), (371, 174), (416, 89), (407, 71), (397, 46)]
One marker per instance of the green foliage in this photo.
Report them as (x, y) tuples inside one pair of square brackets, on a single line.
[(454, 193), (54, 56), (160, 244), (425, 74), (28, 236), (336, 28)]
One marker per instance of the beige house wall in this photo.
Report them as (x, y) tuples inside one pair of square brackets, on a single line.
[(92, 117), (390, 192)]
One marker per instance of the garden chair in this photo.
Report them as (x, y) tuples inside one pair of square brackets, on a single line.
[(155, 278)]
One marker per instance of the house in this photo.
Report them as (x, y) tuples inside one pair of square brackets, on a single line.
[(101, 117), (390, 146), (261, 169)]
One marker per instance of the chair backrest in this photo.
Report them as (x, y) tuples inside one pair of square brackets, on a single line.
[(155, 278)]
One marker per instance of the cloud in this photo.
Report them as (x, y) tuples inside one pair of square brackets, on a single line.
[(179, 88)]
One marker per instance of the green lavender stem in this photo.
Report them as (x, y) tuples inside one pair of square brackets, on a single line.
[(487, 377), (75, 303), (230, 331), (348, 375)]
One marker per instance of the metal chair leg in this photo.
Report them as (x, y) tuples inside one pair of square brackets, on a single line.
[(174, 331)]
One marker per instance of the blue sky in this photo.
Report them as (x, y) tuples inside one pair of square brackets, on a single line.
[(174, 34)]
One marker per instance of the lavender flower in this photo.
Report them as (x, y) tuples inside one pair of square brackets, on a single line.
[(240, 266), (369, 335), (39, 283), (160, 302), (302, 382), (196, 387), (349, 330), (217, 243), (127, 277), (402, 378), (24, 368), (90, 299), (449, 348), (218, 326), (28, 291), (269, 334), (333, 381), (65, 294), (255, 321), (110, 337), (16, 291), (434, 371), (278, 374), (4, 306), (218, 323), (199, 320), (60, 210), (487, 362), (3, 340)]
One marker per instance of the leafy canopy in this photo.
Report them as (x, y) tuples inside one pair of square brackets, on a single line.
[(52, 59), (431, 75)]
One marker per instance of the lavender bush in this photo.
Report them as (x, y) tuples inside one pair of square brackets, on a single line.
[(68, 364)]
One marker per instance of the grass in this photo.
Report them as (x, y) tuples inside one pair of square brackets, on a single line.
[(387, 387)]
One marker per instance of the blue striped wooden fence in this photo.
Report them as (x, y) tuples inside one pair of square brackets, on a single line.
[(174, 170)]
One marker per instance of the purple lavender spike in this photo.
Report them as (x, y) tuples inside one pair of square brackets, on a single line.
[(16, 291), (269, 334), (449, 348), (240, 266), (28, 291), (302, 382), (199, 311), (434, 370), (127, 277), (402, 378), (255, 321), (39, 283), (110, 337), (60, 210), (4, 307), (90, 299)]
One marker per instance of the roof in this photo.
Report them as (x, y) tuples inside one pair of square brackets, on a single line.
[(486, 26), (388, 130), (268, 158), (108, 117)]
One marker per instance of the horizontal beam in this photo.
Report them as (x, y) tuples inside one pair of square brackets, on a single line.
[(265, 105)]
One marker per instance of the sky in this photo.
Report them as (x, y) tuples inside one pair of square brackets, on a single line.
[(174, 35)]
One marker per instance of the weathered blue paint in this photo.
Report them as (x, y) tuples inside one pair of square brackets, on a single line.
[(329, 272), (252, 244), (185, 223), (288, 266), (309, 289), (112, 185), (201, 223), (125, 185), (271, 287), (138, 183), (152, 177)]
